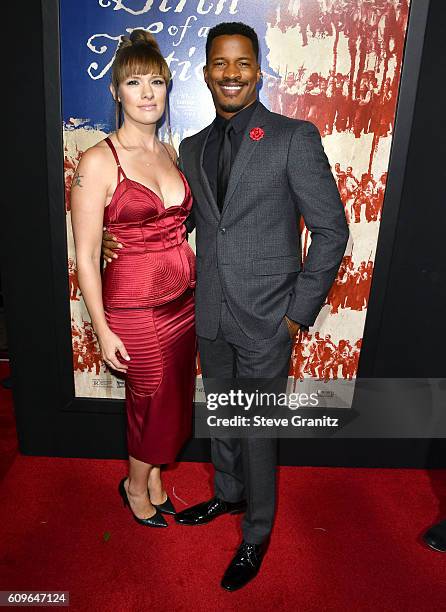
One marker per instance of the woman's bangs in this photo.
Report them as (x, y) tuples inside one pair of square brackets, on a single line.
[(140, 64)]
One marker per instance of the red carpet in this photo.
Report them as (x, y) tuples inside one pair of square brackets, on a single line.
[(344, 539), (8, 436)]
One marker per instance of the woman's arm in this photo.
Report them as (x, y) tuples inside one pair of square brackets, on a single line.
[(88, 197)]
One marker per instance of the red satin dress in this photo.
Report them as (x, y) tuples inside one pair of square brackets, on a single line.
[(149, 303)]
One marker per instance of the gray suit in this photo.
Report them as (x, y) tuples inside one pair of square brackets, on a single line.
[(249, 276)]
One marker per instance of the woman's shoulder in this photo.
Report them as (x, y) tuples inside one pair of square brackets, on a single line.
[(97, 155), (97, 166)]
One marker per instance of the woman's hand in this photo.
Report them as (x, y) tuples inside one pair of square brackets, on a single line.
[(111, 344)]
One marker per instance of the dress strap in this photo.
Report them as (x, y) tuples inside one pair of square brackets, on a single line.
[(115, 155)]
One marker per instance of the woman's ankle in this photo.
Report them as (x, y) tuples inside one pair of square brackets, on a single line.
[(136, 490)]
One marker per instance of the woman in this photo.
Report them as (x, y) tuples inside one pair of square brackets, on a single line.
[(142, 309)]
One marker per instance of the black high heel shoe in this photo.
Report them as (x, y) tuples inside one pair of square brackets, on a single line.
[(157, 520), (166, 507)]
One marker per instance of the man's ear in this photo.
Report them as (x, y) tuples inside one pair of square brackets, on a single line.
[(205, 74), (259, 73)]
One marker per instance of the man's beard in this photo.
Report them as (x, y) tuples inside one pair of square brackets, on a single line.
[(232, 108)]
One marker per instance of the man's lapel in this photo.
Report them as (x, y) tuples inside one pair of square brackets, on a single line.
[(258, 119), (204, 178)]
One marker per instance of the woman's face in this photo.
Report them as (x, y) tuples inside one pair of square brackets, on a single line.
[(143, 98)]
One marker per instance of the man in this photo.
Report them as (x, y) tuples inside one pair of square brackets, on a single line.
[(289, 95), (351, 181), (253, 173)]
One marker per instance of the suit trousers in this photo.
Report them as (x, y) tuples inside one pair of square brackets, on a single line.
[(245, 468)]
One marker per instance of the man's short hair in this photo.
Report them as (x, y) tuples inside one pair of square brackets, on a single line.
[(229, 29)]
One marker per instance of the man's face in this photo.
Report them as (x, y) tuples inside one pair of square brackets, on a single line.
[(232, 73)]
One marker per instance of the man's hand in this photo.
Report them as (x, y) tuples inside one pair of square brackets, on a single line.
[(109, 244), (293, 327)]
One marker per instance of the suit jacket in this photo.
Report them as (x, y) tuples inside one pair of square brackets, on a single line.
[(251, 252)]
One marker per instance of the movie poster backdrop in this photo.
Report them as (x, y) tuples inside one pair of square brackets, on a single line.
[(336, 63)]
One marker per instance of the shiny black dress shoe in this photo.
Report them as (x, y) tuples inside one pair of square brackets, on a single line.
[(208, 511), (157, 520), (166, 507), (435, 537), (244, 566)]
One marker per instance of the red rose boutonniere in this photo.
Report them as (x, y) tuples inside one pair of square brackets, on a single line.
[(256, 133)]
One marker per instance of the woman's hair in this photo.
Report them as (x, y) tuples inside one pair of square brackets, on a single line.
[(138, 53)]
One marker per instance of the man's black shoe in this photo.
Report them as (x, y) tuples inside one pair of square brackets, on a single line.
[(207, 511), (243, 567), (435, 537)]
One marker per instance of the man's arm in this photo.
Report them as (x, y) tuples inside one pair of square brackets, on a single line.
[(314, 189), (190, 221)]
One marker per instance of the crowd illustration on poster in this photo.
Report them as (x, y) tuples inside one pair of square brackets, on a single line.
[(320, 358), (86, 354), (336, 63)]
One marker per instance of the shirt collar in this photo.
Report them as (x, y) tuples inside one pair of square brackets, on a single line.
[(240, 120)]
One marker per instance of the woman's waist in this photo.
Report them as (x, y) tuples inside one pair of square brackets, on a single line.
[(148, 271), (147, 238), (149, 275), (133, 258)]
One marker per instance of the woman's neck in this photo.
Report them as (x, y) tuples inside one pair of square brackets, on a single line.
[(138, 135)]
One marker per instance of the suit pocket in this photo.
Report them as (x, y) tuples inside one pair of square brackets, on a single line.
[(276, 265)]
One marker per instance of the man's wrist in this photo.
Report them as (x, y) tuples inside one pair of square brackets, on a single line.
[(292, 321), (293, 326), (301, 326)]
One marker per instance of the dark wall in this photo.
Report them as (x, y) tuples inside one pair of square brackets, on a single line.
[(25, 233), (27, 266), (404, 333)]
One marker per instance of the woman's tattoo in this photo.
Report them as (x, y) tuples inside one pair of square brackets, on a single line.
[(77, 179)]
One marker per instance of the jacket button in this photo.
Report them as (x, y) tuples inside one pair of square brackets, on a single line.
[(222, 229)]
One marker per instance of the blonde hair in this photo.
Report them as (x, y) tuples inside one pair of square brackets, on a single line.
[(138, 53)]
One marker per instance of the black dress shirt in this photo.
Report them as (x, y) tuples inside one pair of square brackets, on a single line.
[(239, 123)]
